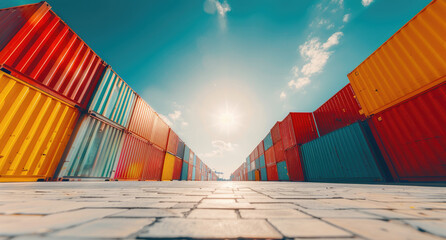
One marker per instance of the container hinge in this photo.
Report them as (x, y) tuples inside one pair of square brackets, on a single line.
[(5, 70)]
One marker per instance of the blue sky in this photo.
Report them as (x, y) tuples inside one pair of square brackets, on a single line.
[(223, 72)]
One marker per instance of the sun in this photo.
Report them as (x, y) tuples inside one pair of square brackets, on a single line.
[(227, 119)]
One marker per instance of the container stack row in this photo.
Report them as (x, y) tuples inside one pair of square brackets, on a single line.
[(65, 114), (387, 124)]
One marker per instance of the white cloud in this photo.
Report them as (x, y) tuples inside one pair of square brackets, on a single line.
[(221, 8), (332, 40), (366, 3), (175, 115), (184, 124), (282, 95), (346, 17), (220, 147), (299, 82)]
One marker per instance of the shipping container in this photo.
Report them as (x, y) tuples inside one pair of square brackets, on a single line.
[(34, 130), (186, 153), (294, 164), (275, 133), (345, 155), (279, 152), (177, 169), (248, 164), (142, 119), (410, 62), (184, 170), (257, 163), (40, 48), (297, 128), (180, 149), (153, 167), (270, 157), (194, 168), (113, 99), (251, 175), (263, 175), (169, 163), (282, 171), (134, 153), (160, 133), (260, 149), (412, 137), (253, 165), (271, 172), (257, 175), (93, 151), (267, 142), (172, 144), (262, 161), (339, 111), (190, 170)]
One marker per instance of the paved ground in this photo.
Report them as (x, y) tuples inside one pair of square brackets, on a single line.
[(73, 210)]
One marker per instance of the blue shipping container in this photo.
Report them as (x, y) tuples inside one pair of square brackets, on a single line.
[(282, 171), (184, 171), (186, 153), (268, 141), (263, 175), (262, 161)]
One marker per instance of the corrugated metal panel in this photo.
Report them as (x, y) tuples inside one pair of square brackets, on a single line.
[(260, 149), (93, 151), (411, 61), (251, 175), (49, 54), (267, 142), (271, 172), (189, 171), (282, 171), (262, 161), (257, 163), (113, 98), (34, 130), (253, 165), (160, 133), (135, 152), (177, 169), (279, 152), (263, 175), (248, 164), (184, 170), (194, 168), (153, 167), (142, 120), (344, 155), (270, 157), (339, 111), (275, 133), (172, 144), (297, 128), (257, 175), (412, 137), (186, 153), (180, 149), (294, 164), (169, 163)]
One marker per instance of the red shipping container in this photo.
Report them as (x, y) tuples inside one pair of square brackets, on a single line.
[(153, 166), (160, 133), (177, 169), (172, 144), (38, 47), (412, 136), (142, 120), (189, 171), (297, 128), (271, 173), (339, 111), (270, 157), (134, 154), (279, 152), (260, 149), (294, 164), (275, 133)]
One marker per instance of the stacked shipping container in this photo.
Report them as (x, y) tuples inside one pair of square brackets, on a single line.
[(401, 91), (49, 78)]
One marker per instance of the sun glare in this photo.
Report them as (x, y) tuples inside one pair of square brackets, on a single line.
[(227, 119)]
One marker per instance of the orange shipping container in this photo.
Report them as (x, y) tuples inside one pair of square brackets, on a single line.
[(412, 61)]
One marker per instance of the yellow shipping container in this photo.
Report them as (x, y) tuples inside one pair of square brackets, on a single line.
[(412, 61), (169, 162), (34, 130)]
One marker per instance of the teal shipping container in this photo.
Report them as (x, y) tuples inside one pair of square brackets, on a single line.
[(257, 163), (193, 169), (113, 99), (186, 153), (263, 175), (282, 171), (348, 154), (262, 161), (93, 150), (267, 142), (251, 176), (184, 171), (248, 164)]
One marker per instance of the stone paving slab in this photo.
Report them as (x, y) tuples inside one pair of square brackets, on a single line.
[(264, 210)]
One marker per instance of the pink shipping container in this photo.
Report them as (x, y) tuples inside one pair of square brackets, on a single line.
[(297, 128), (160, 133), (134, 153), (339, 111), (260, 149), (189, 171), (38, 47), (172, 143), (412, 136), (142, 120), (153, 165)]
